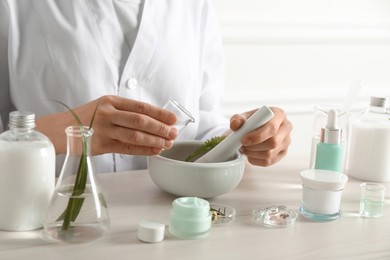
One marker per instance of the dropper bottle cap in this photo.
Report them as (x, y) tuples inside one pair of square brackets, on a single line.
[(331, 134)]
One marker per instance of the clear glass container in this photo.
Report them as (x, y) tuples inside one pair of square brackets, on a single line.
[(222, 214), (183, 116), (78, 211), (27, 177), (372, 200), (369, 151), (274, 216)]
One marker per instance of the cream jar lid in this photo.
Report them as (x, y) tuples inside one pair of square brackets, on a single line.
[(323, 179), (150, 231)]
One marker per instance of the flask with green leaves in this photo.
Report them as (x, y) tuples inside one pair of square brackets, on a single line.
[(77, 211)]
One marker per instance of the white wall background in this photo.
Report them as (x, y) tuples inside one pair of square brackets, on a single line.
[(299, 53)]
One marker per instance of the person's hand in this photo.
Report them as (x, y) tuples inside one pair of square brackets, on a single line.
[(121, 125), (267, 144)]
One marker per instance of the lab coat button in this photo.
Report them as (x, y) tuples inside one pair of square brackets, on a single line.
[(132, 84)]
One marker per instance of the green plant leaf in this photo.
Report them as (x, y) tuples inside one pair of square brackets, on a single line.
[(204, 148), (94, 114), (71, 111), (75, 203)]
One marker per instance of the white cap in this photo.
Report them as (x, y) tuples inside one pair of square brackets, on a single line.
[(150, 232), (331, 134), (323, 179)]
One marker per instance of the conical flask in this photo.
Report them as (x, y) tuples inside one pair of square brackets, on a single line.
[(77, 211)]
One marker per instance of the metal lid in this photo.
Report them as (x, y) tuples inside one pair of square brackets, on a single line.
[(379, 101), (21, 119), (330, 136)]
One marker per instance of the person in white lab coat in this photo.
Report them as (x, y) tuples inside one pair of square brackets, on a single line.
[(132, 55)]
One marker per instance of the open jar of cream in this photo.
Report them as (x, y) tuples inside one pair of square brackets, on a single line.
[(190, 218), (321, 196)]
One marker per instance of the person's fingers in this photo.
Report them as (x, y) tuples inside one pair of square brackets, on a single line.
[(144, 123), (125, 131), (268, 159), (269, 143), (276, 139), (237, 120), (143, 108), (268, 130), (140, 138), (126, 148)]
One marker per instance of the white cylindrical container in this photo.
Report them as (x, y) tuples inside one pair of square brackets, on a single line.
[(27, 174), (369, 152), (321, 194)]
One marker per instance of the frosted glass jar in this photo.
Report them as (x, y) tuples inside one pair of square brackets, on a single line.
[(321, 194), (190, 218), (27, 174)]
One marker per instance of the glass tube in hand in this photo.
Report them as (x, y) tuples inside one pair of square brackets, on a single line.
[(183, 116)]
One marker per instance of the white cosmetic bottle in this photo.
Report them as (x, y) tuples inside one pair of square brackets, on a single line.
[(369, 152), (27, 174)]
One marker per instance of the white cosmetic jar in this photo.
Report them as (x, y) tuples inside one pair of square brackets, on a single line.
[(321, 194)]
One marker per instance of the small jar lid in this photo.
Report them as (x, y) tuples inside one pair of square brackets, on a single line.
[(275, 216), (323, 179), (150, 231)]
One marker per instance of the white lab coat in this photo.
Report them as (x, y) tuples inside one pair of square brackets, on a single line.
[(59, 49)]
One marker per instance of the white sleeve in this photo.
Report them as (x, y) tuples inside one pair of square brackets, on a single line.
[(5, 99), (212, 121)]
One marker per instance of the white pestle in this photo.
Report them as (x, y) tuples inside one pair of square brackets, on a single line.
[(226, 149)]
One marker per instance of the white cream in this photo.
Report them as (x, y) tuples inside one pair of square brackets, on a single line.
[(321, 194), (369, 154), (27, 182)]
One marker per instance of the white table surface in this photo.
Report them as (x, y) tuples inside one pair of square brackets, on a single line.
[(132, 196)]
